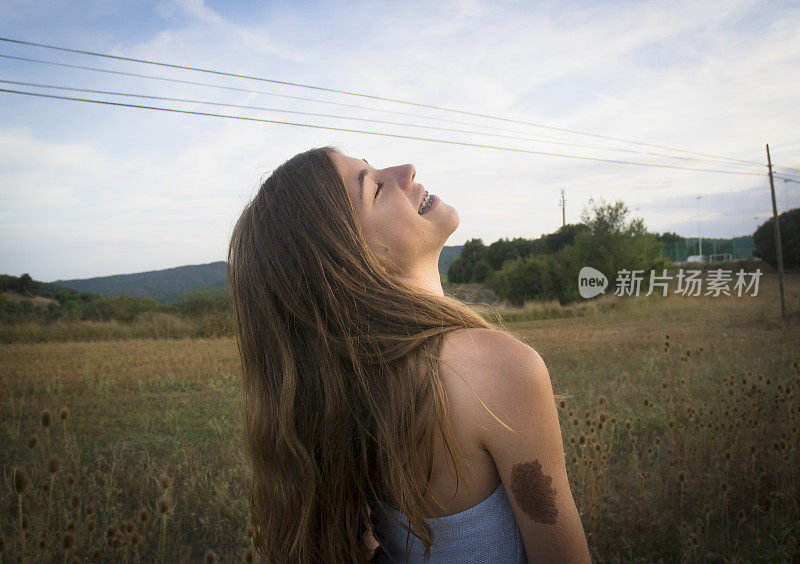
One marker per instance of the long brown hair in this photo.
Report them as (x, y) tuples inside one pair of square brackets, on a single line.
[(342, 394)]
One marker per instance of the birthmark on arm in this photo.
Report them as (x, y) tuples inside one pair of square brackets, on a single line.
[(533, 492)]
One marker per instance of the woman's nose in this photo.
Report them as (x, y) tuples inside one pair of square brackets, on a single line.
[(408, 174)]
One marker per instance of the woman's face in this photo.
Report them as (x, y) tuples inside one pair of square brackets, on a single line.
[(386, 202)]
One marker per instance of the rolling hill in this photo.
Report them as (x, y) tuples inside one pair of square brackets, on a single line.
[(165, 286)]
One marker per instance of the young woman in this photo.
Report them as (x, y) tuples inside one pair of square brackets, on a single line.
[(379, 411)]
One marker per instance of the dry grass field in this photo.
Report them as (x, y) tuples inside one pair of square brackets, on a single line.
[(681, 437)]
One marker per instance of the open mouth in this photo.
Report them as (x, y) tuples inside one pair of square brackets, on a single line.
[(426, 203)]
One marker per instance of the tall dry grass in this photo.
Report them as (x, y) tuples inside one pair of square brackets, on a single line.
[(681, 440)]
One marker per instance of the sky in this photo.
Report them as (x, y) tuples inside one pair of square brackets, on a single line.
[(94, 190)]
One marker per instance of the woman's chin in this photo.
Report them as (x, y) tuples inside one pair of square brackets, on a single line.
[(455, 220)]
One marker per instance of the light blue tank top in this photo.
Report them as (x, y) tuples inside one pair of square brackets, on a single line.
[(485, 533)]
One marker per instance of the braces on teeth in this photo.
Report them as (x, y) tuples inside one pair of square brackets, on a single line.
[(426, 203)]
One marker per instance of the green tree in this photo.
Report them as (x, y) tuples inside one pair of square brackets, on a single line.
[(764, 240), (482, 270), (610, 244), (457, 272), (500, 251), (669, 238), (474, 250), (202, 301), (523, 278), (565, 235)]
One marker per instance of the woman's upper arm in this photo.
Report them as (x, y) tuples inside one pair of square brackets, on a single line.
[(530, 461)]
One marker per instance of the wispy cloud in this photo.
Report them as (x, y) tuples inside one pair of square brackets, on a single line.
[(122, 190)]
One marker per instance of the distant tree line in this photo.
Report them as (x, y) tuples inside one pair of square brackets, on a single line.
[(547, 268), (73, 305), (516, 270)]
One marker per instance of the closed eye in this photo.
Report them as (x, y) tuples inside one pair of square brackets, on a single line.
[(380, 185)]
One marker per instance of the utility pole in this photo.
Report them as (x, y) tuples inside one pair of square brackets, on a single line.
[(777, 236), (563, 209)]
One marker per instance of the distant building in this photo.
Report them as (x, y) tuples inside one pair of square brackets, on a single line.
[(696, 258)]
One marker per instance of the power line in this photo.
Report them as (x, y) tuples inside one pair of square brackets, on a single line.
[(248, 90), (245, 118), (785, 168), (242, 106), (223, 87), (300, 85)]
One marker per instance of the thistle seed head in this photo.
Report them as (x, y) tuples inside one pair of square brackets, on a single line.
[(210, 556), (69, 541), (64, 413), (32, 442), (47, 418), (165, 504), (21, 481), (165, 481), (53, 464)]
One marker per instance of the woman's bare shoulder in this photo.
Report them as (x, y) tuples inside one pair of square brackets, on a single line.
[(488, 348), (482, 362)]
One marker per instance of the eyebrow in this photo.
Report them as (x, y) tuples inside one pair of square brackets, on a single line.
[(361, 176)]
